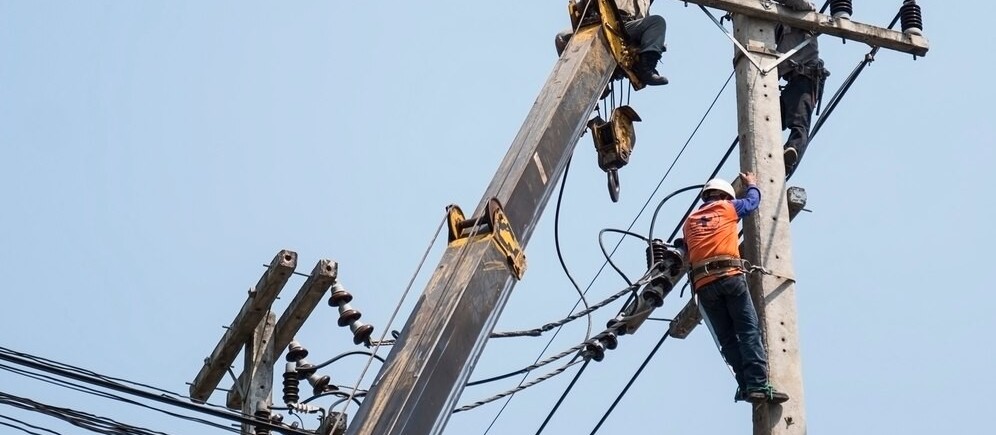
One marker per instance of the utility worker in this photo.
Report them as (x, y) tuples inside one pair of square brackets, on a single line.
[(804, 76), (645, 30), (718, 279)]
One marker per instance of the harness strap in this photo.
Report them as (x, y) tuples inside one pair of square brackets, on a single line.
[(715, 266)]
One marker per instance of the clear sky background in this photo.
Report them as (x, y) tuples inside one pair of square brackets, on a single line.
[(156, 153)]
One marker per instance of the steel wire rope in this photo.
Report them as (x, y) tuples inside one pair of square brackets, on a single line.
[(83, 389), (517, 389), (397, 308), (630, 227), (643, 280)]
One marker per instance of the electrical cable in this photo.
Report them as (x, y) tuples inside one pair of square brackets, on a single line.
[(660, 205), (608, 257), (536, 332), (563, 396), (632, 223), (79, 419), (76, 387), (835, 100), (517, 389), (556, 244), (103, 382), (22, 423), (631, 381), (345, 354)]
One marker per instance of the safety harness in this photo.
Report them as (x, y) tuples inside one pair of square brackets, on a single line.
[(717, 265)]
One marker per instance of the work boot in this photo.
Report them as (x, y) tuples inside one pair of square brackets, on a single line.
[(739, 396), (645, 69), (791, 159), (767, 393)]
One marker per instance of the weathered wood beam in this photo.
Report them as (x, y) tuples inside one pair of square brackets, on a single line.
[(293, 317), (824, 24), (261, 297)]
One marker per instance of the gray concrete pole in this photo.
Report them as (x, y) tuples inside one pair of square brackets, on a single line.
[(767, 240)]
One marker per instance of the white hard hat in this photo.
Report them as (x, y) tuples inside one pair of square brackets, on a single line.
[(720, 185)]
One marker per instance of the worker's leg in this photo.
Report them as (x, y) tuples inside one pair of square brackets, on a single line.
[(798, 101), (713, 305), (744, 321), (649, 32)]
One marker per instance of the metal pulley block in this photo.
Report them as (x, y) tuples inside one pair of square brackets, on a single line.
[(614, 142)]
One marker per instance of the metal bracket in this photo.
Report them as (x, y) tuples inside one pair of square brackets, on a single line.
[(494, 225)]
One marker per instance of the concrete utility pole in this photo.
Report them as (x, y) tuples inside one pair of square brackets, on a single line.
[(767, 239)]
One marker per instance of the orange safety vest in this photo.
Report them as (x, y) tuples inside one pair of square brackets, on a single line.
[(711, 232)]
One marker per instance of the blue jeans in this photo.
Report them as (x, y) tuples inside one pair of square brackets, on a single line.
[(727, 305)]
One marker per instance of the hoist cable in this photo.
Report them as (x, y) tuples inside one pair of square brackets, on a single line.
[(397, 308)]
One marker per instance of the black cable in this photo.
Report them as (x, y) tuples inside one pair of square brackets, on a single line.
[(608, 257), (635, 218), (563, 396), (29, 425), (695, 201), (18, 427), (630, 383), (345, 354), (663, 201), (556, 243), (106, 395), (76, 418), (103, 382)]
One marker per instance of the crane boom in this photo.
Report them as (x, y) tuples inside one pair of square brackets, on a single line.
[(428, 367)]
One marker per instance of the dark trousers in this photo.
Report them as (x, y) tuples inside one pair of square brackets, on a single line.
[(797, 102), (648, 32), (727, 306)]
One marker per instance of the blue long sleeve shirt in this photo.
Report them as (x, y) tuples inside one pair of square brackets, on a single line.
[(746, 205)]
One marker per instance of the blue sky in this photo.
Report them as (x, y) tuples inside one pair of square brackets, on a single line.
[(156, 153)]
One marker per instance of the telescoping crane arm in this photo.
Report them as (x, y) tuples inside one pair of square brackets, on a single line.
[(417, 388)]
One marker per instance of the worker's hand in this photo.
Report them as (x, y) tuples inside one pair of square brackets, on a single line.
[(748, 178)]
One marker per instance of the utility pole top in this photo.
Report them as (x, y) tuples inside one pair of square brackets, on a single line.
[(916, 45)]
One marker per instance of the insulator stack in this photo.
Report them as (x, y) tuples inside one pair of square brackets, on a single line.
[(656, 252), (350, 316), (295, 351), (262, 413), (911, 17), (292, 385), (595, 347), (841, 9)]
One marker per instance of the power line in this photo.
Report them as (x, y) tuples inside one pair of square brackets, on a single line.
[(33, 362), (22, 423), (80, 419)]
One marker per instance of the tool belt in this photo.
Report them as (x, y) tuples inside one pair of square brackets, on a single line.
[(813, 69), (715, 266)]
